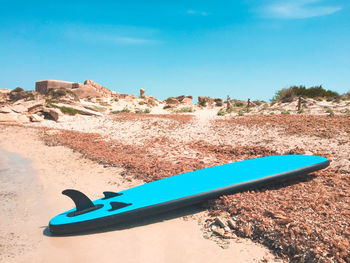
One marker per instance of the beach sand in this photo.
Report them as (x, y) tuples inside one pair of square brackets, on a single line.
[(32, 176)]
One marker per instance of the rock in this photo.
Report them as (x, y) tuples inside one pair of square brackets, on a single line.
[(266, 258), (36, 118), (28, 106), (228, 103), (142, 93), (81, 110), (232, 224), (85, 91), (172, 100), (19, 108), (213, 227), (183, 99), (225, 245), (8, 117), (187, 101), (23, 118), (99, 88), (5, 91), (53, 113), (219, 231), (220, 222), (207, 235), (5, 109), (203, 101)]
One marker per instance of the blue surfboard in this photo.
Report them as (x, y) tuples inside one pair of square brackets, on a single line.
[(179, 190)]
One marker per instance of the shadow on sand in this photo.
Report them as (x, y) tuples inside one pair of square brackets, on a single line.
[(184, 211)]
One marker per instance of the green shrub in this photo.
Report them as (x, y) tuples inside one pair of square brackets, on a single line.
[(68, 110), (125, 110), (285, 112), (287, 95), (247, 110), (19, 94), (119, 111), (184, 109), (240, 112), (330, 112), (139, 111), (18, 89), (301, 111), (218, 102), (203, 103), (49, 104), (221, 112), (116, 99), (239, 104), (141, 102)]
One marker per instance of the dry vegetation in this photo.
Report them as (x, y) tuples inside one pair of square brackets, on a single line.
[(304, 220)]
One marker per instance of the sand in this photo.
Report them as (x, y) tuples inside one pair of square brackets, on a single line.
[(32, 175)]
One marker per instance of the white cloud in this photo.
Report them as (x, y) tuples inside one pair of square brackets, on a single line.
[(108, 34), (196, 12), (298, 9)]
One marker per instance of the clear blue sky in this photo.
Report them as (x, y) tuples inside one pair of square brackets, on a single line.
[(242, 48)]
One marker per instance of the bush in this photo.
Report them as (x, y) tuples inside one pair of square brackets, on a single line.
[(18, 89), (57, 93), (218, 102), (141, 102), (119, 111), (287, 95), (139, 111), (240, 113), (330, 112), (285, 112), (184, 109), (68, 110), (239, 104), (202, 103), (19, 94), (221, 112), (301, 111)]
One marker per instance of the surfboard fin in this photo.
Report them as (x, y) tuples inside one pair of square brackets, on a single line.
[(80, 200), (110, 195), (118, 205)]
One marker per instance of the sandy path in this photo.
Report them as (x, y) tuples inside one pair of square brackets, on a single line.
[(49, 170)]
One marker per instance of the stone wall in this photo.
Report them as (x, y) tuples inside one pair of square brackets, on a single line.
[(43, 86)]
